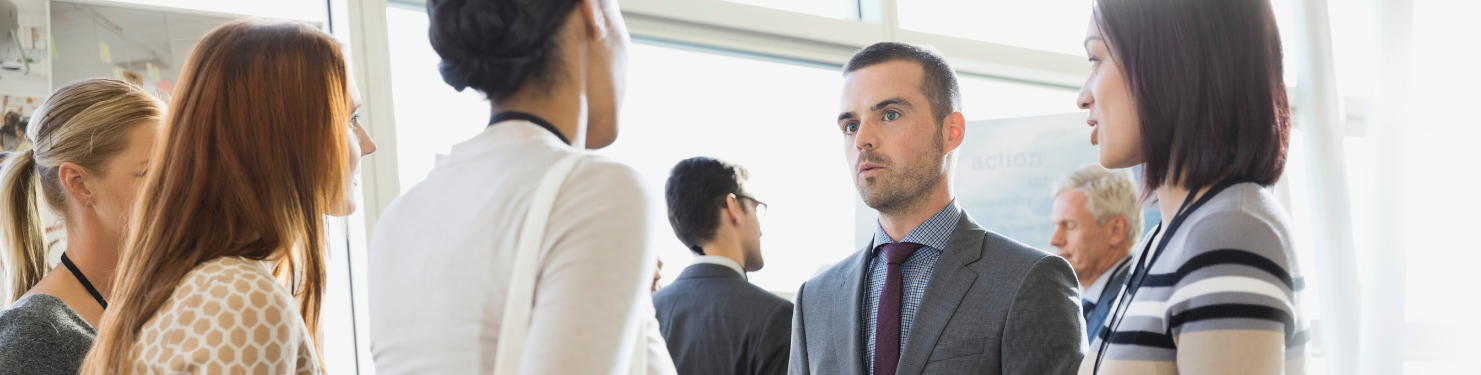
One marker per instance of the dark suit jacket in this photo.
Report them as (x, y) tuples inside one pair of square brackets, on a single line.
[(716, 323), (992, 306)]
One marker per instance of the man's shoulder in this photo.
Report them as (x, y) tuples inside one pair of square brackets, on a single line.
[(1007, 252), (712, 288)]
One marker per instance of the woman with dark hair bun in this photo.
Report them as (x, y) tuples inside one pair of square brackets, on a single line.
[(1191, 91), (520, 253)]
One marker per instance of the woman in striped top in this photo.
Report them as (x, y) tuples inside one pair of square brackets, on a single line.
[(1192, 91)]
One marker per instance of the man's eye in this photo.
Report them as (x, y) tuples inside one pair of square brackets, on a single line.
[(851, 128), (891, 115)]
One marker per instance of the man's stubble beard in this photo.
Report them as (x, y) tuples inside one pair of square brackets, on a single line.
[(910, 189)]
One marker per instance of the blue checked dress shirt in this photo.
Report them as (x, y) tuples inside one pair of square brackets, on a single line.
[(917, 271)]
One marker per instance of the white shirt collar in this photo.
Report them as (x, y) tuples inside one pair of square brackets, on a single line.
[(1092, 294), (712, 259)]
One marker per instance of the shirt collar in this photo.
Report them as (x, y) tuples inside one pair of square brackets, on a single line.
[(934, 233), (727, 262), (1092, 294)]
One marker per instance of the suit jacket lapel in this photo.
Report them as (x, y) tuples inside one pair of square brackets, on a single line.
[(851, 289), (950, 281)]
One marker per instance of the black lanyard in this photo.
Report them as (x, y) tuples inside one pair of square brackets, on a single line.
[(1143, 267), (514, 115), (83, 280)]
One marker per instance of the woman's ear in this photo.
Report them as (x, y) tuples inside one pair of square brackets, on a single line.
[(594, 18), (74, 180)]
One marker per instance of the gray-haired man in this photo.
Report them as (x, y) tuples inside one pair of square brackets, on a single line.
[(1096, 222)]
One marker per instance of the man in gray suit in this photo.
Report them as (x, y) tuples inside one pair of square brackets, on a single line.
[(933, 293), (715, 322)]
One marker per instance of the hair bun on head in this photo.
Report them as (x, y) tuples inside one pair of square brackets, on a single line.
[(488, 74), (494, 45)]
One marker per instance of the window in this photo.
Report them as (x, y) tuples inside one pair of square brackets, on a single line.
[(430, 115), (776, 120), (1050, 25), (986, 98)]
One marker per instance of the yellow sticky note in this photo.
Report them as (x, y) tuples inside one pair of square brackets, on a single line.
[(118, 73), (153, 70), (103, 52)]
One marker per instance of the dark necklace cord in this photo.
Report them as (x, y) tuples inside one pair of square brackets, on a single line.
[(83, 279), (515, 115)]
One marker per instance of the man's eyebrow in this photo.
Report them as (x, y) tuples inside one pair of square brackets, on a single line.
[(845, 116), (891, 101)]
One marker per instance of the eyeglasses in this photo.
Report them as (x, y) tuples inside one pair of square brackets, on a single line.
[(760, 206)]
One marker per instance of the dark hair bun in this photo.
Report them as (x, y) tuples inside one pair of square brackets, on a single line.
[(495, 45)]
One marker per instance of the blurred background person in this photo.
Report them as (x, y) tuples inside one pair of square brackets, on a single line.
[(1216, 290), (444, 253), (1096, 222), (229, 239), (94, 139), (715, 322), (13, 133)]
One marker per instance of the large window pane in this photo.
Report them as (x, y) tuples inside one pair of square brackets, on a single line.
[(430, 115), (1050, 25), (989, 98), (775, 119)]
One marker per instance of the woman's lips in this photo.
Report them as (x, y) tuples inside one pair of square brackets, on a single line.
[(1094, 132)]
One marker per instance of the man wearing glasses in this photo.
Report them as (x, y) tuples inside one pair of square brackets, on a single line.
[(713, 319)]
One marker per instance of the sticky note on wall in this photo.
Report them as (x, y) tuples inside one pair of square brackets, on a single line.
[(104, 53)]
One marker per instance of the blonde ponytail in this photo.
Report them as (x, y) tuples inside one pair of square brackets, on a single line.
[(82, 123), (24, 254)]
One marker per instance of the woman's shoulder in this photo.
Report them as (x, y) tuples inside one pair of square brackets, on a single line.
[(228, 293), (41, 311), (1245, 217), (41, 327), (229, 274), (223, 298)]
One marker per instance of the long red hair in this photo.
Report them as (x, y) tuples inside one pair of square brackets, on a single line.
[(252, 155)]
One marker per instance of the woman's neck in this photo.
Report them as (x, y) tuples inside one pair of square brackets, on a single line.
[(1170, 198), (94, 250), (563, 105)]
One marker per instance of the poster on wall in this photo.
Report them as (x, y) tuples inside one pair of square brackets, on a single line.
[(1004, 171)]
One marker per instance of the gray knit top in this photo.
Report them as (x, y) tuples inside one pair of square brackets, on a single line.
[(40, 335)]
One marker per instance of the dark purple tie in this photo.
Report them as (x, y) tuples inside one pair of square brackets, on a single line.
[(887, 323)]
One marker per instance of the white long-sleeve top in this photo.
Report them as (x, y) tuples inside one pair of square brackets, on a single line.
[(440, 260)]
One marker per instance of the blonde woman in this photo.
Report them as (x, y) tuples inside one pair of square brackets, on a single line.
[(224, 269), (92, 141)]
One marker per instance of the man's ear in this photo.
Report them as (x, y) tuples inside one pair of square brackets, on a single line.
[(74, 182), (594, 19), (956, 131), (732, 211), (1119, 233)]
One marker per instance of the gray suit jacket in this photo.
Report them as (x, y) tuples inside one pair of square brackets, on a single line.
[(716, 323), (992, 306)]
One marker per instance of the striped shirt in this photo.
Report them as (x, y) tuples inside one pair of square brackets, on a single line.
[(916, 271), (1223, 297)]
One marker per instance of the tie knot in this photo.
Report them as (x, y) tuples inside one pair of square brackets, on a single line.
[(898, 252)]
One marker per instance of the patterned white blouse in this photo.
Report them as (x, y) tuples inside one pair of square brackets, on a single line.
[(229, 315)]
